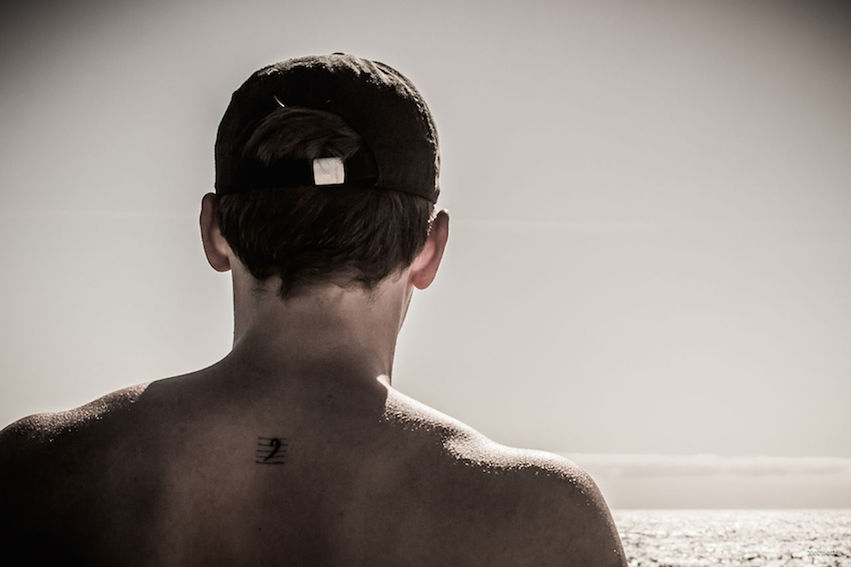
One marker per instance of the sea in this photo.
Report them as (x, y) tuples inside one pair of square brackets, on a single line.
[(692, 538)]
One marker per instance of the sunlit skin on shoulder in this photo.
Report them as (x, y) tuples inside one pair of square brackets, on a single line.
[(522, 507)]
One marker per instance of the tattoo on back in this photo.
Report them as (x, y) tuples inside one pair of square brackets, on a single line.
[(271, 451)]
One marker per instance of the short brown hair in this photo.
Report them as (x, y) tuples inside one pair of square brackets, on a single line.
[(309, 234)]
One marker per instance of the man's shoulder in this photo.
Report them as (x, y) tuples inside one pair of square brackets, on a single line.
[(526, 507), (28, 436), (550, 509), (47, 462)]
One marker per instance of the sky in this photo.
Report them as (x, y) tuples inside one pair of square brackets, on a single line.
[(650, 255)]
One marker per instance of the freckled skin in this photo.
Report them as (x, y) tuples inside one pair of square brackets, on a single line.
[(165, 474)]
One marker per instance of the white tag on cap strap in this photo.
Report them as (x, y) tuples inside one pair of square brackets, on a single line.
[(328, 171)]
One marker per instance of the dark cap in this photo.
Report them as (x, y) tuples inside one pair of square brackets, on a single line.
[(372, 98)]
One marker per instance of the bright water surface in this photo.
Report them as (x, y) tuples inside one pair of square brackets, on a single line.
[(692, 538)]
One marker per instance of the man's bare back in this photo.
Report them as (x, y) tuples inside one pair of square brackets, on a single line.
[(173, 473)]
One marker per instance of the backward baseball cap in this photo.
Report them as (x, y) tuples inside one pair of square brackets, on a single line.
[(372, 98)]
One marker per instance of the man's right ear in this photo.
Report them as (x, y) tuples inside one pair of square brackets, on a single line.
[(215, 246)]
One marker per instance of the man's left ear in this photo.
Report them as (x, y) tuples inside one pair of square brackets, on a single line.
[(424, 267)]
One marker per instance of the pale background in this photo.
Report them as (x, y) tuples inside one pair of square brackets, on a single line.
[(650, 260)]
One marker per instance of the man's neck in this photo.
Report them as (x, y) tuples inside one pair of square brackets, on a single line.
[(320, 328)]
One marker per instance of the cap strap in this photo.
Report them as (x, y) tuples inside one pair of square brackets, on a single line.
[(358, 169)]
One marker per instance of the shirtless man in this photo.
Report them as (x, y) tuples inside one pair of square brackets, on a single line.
[(295, 449)]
